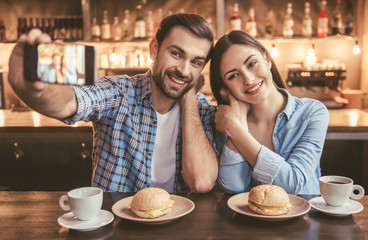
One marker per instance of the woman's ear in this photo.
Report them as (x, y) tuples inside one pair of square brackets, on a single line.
[(153, 48), (268, 62)]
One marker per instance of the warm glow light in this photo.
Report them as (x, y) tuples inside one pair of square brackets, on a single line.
[(36, 119), (274, 52), (2, 119), (353, 118), (356, 48), (311, 52)]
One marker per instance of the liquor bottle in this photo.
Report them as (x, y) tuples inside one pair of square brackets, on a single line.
[(287, 29), (116, 31), (38, 23), (95, 30), (349, 22), (68, 28), (56, 28), (269, 24), (322, 26), (139, 25), (31, 24), (2, 31), (43, 25), (62, 29), (336, 24), (158, 19), (150, 26), (235, 19), (307, 21), (19, 27), (25, 28), (80, 27), (105, 27), (251, 25), (74, 28), (49, 28), (127, 35)]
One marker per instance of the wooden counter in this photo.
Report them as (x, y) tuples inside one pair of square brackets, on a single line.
[(33, 215)]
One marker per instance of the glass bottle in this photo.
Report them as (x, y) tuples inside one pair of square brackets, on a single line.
[(349, 21), (269, 22), (307, 29), (235, 19), (2, 31), (105, 27), (116, 31), (95, 30), (251, 24), (127, 35), (150, 26), (49, 28), (139, 25), (19, 28), (322, 26), (336, 24), (56, 28), (158, 19), (287, 29)]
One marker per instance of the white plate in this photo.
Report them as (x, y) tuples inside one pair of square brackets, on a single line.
[(182, 206), (348, 208), (68, 220), (239, 203)]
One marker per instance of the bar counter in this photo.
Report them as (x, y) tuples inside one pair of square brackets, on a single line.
[(34, 215)]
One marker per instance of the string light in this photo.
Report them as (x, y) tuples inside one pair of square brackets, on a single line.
[(356, 48), (274, 51)]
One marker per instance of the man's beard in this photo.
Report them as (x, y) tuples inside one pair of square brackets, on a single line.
[(172, 93)]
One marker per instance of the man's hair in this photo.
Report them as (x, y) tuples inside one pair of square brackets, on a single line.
[(222, 45), (192, 22)]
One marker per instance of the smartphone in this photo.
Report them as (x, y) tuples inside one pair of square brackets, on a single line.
[(60, 63)]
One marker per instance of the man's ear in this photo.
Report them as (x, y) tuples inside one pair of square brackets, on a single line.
[(153, 48)]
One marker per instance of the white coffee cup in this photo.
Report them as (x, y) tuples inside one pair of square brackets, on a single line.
[(84, 202), (336, 190)]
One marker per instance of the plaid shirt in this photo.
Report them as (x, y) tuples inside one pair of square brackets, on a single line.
[(124, 131)]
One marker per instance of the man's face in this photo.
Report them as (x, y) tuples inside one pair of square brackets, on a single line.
[(179, 61)]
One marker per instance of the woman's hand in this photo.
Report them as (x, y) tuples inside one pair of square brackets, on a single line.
[(230, 117)]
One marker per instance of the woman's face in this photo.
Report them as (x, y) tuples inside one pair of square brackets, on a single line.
[(246, 72)]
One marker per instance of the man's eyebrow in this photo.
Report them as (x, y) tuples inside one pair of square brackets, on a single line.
[(183, 52)]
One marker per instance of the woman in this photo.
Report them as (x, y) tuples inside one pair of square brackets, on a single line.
[(271, 136)]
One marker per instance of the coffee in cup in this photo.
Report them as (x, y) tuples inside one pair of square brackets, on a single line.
[(85, 202), (336, 190)]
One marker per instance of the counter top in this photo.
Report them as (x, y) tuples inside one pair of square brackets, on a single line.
[(34, 215), (343, 122)]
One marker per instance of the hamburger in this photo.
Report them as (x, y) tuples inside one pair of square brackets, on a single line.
[(151, 203), (269, 200)]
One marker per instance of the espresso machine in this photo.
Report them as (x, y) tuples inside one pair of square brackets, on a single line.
[(322, 83)]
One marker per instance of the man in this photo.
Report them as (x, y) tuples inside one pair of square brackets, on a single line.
[(152, 129)]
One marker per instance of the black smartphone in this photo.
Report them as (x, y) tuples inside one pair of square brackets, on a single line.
[(60, 63)]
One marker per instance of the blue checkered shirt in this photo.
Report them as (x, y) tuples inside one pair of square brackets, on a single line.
[(124, 131)]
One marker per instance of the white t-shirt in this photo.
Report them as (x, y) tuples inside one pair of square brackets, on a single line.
[(164, 152)]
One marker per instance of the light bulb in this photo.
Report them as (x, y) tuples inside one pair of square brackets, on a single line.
[(356, 48), (311, 52), (274, 51)]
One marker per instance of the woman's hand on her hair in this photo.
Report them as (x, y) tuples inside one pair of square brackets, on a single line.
[(229, 117)]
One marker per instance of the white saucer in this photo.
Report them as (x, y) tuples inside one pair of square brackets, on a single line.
[(350, 207), (69, 221)]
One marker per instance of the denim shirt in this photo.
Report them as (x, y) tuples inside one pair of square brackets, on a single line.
[(298, 139), (124, 131)]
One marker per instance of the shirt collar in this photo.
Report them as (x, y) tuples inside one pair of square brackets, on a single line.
[(146, 87), (290, 104)]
